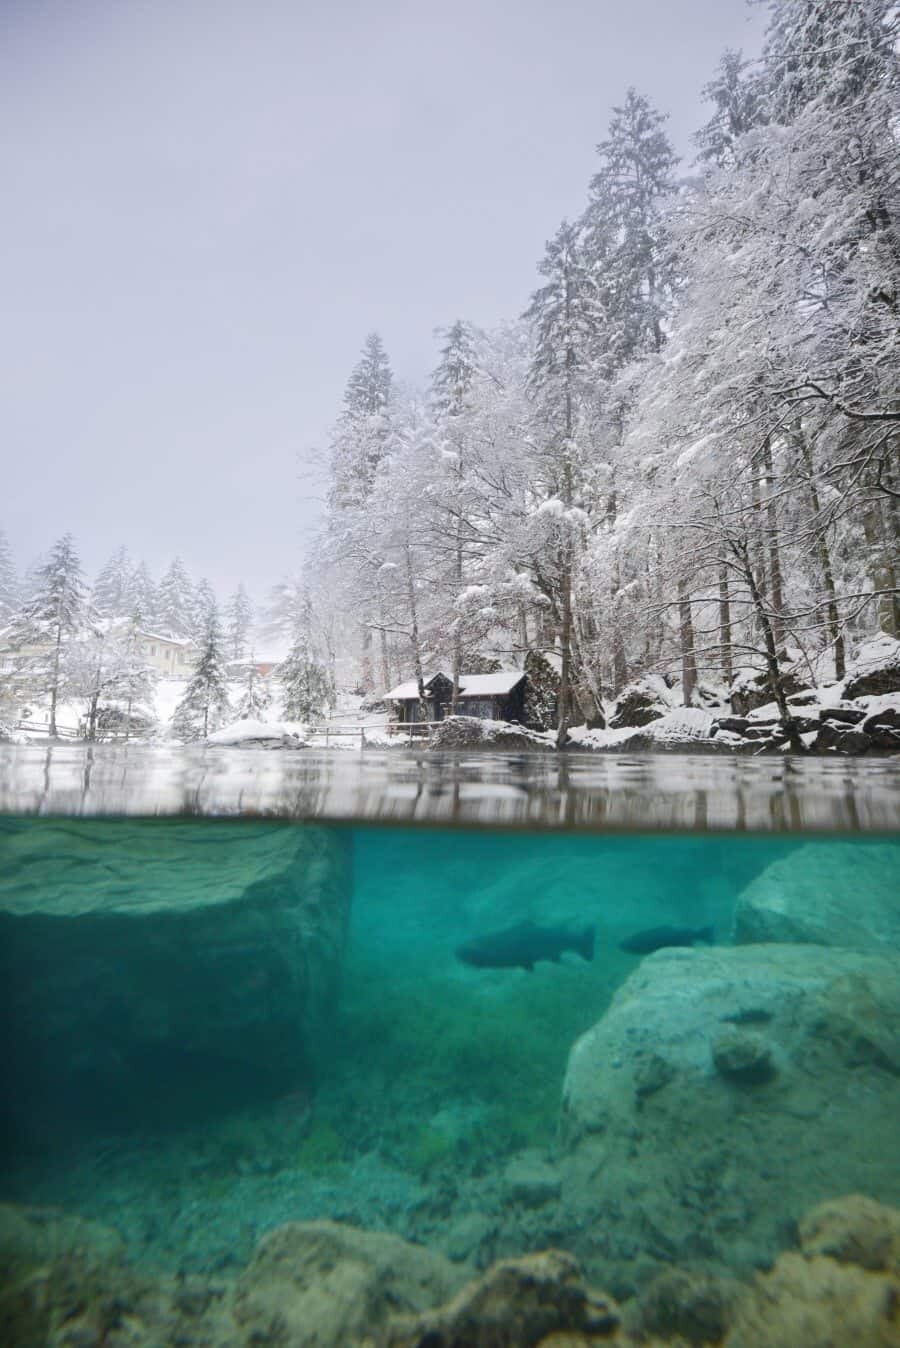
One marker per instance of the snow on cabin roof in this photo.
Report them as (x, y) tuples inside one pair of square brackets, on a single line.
[(470, 685), (408, 689), (170, 641), (489, 685)]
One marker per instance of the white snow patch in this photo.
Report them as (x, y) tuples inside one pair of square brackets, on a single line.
[(240, 732)]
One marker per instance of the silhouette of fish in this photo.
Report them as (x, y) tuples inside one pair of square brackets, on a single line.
[(522, 946), (656, 938)]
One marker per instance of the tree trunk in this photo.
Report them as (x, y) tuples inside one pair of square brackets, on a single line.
[(414, 636), (523, 631), (92, 715), (772, 666), (777, 584), (823, 551), (457, 635), (54, 687), (366, 681), (759, 547), (587, 691), (620, 665), (688, 656), (726, 654), (881, 568), (565, 637)]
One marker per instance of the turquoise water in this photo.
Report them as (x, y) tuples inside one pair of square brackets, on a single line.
[(216, 1027)]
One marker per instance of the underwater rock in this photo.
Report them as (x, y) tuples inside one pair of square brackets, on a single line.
[(518, 1303), (33, 1237), (814, 1302), (160, 969), (742, 1055), (694, 1307), (531, 1180), (700, 1170), (854, 1230), (322, 1283), (829, 893)]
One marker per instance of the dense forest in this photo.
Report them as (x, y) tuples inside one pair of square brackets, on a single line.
[(681, 458), (683, 455)]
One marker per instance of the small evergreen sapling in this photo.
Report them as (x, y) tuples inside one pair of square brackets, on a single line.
[(308, 690), (205, 704)]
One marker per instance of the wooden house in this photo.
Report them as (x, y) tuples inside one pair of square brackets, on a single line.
[(491, 697)]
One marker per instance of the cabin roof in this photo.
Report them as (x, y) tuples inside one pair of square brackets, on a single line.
[(489, 685), (470, 685)]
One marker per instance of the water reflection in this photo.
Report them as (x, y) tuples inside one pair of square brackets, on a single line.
[(597, 792)]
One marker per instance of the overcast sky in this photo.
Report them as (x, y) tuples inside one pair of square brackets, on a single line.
[(209, 203)]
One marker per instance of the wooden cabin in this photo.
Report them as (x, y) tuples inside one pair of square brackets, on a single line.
[(491, 697)]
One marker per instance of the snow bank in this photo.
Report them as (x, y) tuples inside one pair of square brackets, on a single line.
[(262, 734)]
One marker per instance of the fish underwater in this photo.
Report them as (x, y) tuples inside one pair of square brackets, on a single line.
[(522, 946), (657, 938)]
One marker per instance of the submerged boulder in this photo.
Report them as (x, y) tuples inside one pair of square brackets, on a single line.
[(782, 1087), (157, 968), (828, 893), (517, 1303), (324, 1283)]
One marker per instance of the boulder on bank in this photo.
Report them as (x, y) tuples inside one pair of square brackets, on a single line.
[(753, 688), (158, 968), (641, 702), (876, 669), (713, 1164), (471, 732), (828, 893)]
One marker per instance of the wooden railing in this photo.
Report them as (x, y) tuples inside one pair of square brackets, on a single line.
[(329, 730), (63, 732)]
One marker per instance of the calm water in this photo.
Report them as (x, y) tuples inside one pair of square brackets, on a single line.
[(216, 1026)]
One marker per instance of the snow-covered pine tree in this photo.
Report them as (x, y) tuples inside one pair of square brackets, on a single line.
[(9, 588), (112, 593), (255, 696), (205, 607), (308, 690), (205, 703), (451, 389), (623, 229), (736, 97), (238, 623), (175, 614), (358, 445), (565, 315), (143, 602), (54, 612), (358, 448)]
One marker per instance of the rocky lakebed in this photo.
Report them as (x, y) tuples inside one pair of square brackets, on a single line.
[(222, 1128)]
